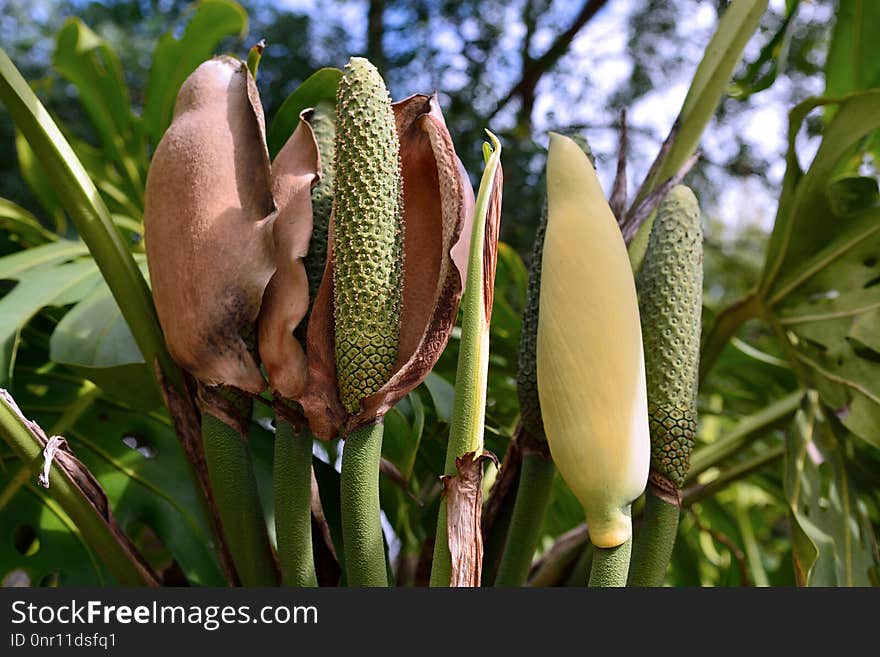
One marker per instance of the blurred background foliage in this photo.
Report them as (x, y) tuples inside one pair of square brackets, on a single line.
[(520, 68)]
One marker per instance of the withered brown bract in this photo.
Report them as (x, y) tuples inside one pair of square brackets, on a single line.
[(286, 300), (438, 210), (211, 203)]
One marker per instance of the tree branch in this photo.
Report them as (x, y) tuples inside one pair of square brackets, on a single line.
[(375, 33), (534, 69)]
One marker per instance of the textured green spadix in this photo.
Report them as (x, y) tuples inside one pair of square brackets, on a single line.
[(670, 298), (367, 234), (323, 122), (527, 367)]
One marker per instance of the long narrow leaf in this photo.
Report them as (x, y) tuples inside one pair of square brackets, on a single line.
[(85, 207), (709, 85)]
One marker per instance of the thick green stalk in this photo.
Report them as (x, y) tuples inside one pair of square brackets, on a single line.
[(235, 492), (97, 530), (532, 497), (361, 521), (610, 565), (580, 571), (292, 484), (653, 546)]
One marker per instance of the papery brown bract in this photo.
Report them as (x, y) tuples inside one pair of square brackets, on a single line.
[(286, 300), (438, 206), (208, 219)]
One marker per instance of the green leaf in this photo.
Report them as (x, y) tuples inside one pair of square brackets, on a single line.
[(762, 72), (90, 64), (93, 340), (802, 226), (404, 424), (174, 59), (442, 394), (84, 205), (13, 266), (36, 179), (709, 85), (42, 541), (832, 540), (850, 194), (818, 287), (320, 86), (46, 285), (15, 220), (853, 62)]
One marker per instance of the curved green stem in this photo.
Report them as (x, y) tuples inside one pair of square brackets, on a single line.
[(292, 485), (532, 497), (361, 521), (653, 546), (580, 571), (231, 473), (610, 565)]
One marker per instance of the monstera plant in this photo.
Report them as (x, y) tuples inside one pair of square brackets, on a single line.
[(242, 349)]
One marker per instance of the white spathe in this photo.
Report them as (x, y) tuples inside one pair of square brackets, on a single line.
[(591, 371)]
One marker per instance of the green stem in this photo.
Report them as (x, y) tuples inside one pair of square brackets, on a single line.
[(96, 529), (653, 546), (580, 571), (748, 430), (726, 325), (361, 521), (700, 492), (532, 497), (471, 376), (610, 565), (292, 484), (234, 483)]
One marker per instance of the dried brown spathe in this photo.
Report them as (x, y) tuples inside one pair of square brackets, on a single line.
[(438, 206), (211, 202)]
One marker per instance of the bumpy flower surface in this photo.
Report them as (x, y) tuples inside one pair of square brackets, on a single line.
[(323, 122), (368, 234), (670, 292)]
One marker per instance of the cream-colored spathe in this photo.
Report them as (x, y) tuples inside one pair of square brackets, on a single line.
[(591, 371)]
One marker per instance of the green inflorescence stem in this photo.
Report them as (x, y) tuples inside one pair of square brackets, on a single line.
[(292, 483), (361, 521), (532, 497), (653, 546), (469, 407), (610, 565), (234, 483)]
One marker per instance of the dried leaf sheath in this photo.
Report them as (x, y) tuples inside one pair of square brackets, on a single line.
[(438, 208), (208, 216), (286, 299)]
